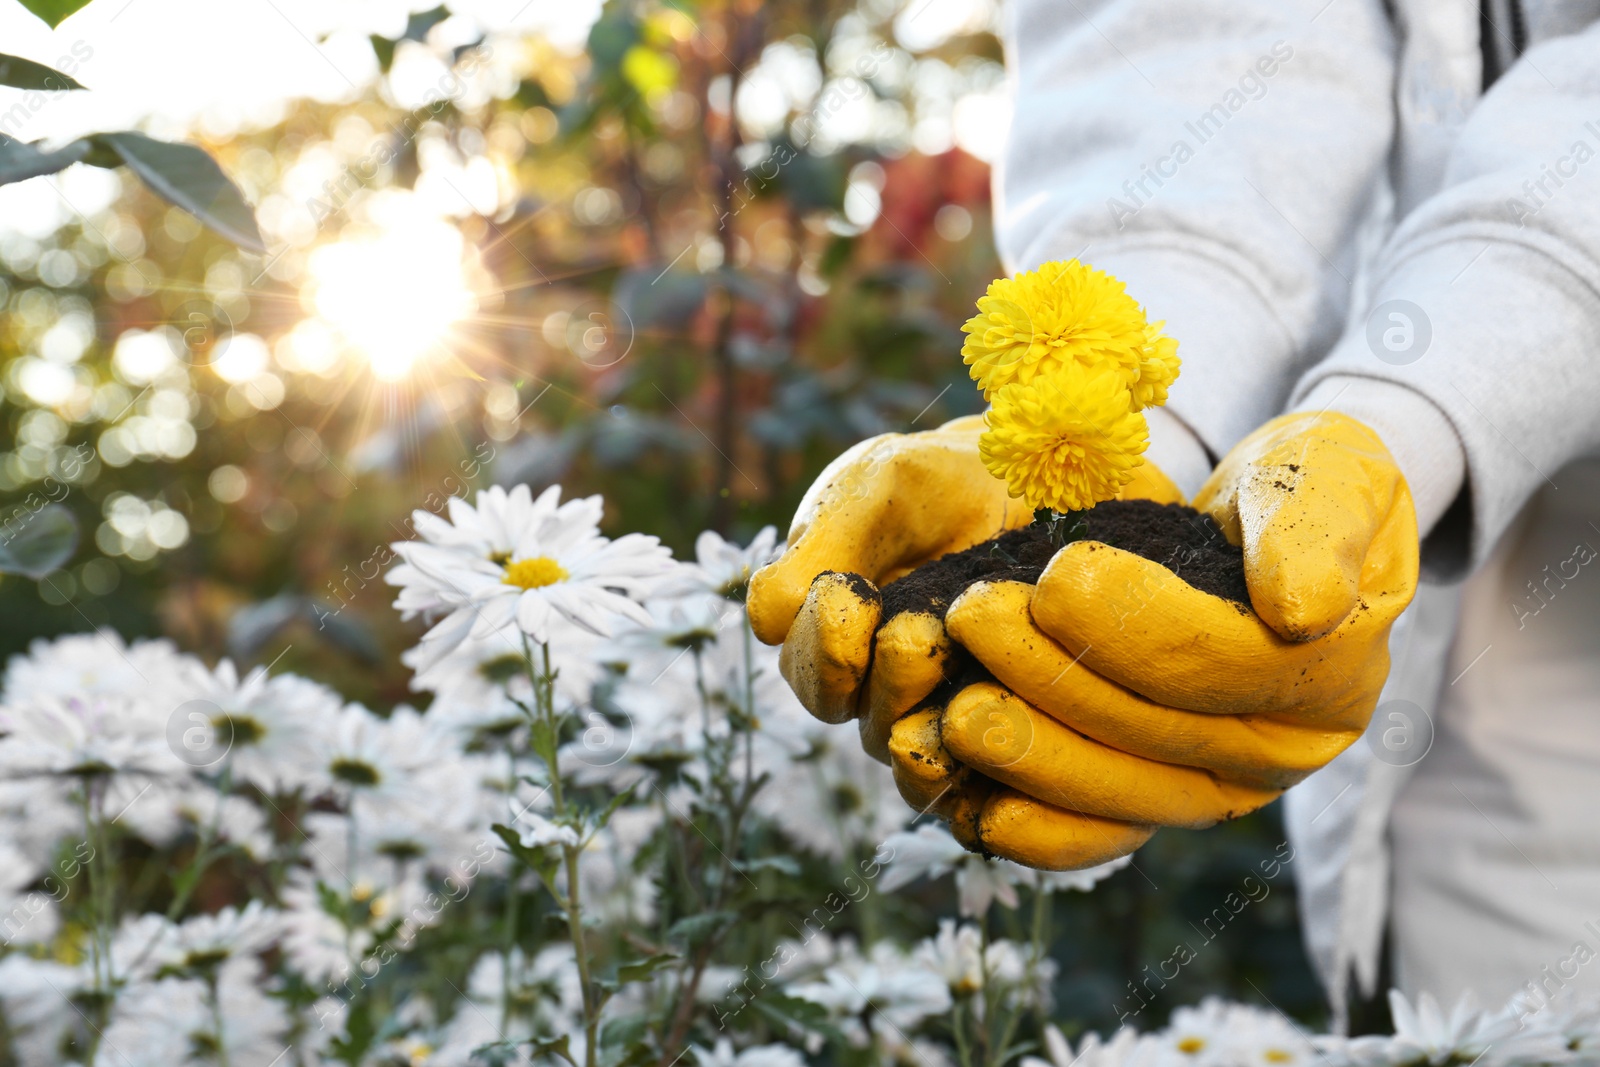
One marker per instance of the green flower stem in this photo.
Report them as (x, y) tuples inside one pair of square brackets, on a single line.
[(544, 690), (963, 1043), (102, 906), (721, 755), (216, 1022), (204, 852), (511, 897)]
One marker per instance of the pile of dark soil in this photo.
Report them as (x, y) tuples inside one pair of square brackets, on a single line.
[(1179, 538)]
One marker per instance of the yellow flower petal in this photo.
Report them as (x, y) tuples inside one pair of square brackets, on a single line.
[(1158, 368), (1065, 441), (1038, 321)]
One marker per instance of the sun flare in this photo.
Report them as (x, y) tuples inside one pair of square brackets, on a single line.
[(393, 294)]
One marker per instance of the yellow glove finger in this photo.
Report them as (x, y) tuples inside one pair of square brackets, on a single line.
[(1308, 497), (880, 509), (931, 780), (1003, 737), (1140, 625), (992, 621), (1019, 828), (924, 770), (962, 810), (824, 659), (910, 656)]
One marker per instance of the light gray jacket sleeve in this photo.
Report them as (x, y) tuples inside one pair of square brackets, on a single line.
[(1496, 284), (1217, 156)]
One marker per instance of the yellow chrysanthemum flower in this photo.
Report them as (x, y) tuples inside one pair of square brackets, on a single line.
[(1065, 441), (1158, 368), (1040, 320)]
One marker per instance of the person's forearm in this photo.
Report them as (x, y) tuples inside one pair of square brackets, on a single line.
[(1477, 359), (1215, 155)]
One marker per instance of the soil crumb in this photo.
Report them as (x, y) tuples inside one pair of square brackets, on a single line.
[(1179, 538)]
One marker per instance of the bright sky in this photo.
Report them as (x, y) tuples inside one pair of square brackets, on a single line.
[(166, 64)]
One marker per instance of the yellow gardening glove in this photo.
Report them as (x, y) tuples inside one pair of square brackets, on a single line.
[(1128, 695), (880, 510)]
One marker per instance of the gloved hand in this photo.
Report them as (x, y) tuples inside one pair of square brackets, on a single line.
[(880, 510), (1127, 695)]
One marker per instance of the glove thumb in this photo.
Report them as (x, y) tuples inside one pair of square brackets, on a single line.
[(1307, 498)]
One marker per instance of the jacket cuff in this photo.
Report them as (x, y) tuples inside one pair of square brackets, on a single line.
[(1418, 435), (1496, 329)]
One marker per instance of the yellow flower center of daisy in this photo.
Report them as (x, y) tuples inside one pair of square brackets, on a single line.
[(1278, 1055), (535, 573), (1191, 1045)]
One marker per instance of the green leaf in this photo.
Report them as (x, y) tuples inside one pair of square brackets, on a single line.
[(19, 161), (189, 178), (599, 820), (551, 1046), (792, 1013), (624, 1030), (37, 543), (655, 299), (781, 864), (545, 862), (351, 1047), (253, 625), (642, 970), (417, 26), (695, 929), (54, 12), (22, 73), (348, 634), (418, 23), (383, 48)]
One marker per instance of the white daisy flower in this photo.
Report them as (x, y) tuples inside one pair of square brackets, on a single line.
[(1093, 1051), (1216, 1033), (513, 562), (140, 945), (611, 888), (722, 1054), (834, 799), (536, 831), (1424, 1033), (253, 1022), (1573, 1018), (1202, 1034), (202, 942), (363, 755), (83, 737), (956, 955), (930, 851), (959, 956), (438, 831), (30, 895), (37, 998), (235, 820), (155, 1023), (93, 664), (721, 567), (475, 685), (888, 980), (172, 1022), (38, 820), (264, 727), (546, 999), (318, 945)]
